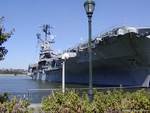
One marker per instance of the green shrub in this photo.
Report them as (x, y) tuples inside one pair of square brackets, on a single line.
[(15, 106), (62, 103), (116, 101), (137, 101), (4, 97)]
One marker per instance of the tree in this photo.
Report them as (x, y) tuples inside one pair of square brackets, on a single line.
[(3, 38)]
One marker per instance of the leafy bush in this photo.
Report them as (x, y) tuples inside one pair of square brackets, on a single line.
[(4, 36), (137, 101), (62, 103), (4, 97), (116, 101), (15, 106)]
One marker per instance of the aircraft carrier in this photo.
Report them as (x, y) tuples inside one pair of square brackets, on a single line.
[(120, 57)]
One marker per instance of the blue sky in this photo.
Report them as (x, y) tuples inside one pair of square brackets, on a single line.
[(69, 20)]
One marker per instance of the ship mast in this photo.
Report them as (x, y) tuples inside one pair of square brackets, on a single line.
[(46, 29), (45, 41)]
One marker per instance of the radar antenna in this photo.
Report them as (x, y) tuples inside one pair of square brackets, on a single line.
[(45, 42), (47, 29)]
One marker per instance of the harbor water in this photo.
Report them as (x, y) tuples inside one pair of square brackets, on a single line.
[(23, 86)]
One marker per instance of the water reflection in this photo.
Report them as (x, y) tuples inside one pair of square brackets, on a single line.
[(22, 83), (24, 87)]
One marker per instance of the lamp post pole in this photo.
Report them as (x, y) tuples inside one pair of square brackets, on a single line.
[(89, 6), (63, 76), (64, 57), (90, 59)]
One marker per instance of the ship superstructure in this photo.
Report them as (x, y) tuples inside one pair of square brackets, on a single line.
[(120, 57), (46, 56)]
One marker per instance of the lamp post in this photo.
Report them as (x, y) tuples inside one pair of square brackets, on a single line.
[(63, 76), (65, 57), (89, 6)]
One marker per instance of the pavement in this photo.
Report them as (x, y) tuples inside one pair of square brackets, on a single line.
[(36, 108)]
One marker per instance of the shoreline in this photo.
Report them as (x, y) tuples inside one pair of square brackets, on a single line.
[(12, 75)]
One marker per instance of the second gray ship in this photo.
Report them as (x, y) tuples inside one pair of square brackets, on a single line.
[(120, 56)]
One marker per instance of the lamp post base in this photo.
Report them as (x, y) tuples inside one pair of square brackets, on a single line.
[(90, 94)]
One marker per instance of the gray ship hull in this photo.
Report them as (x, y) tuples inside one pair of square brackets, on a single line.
[(122, 60), (106, 77), (120, 57)]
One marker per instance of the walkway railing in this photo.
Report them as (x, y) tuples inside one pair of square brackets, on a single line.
[(36, 95)]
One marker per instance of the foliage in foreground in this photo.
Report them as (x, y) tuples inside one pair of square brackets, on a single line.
[(116, 101), (4, 97), (3, 38), (14, 106)]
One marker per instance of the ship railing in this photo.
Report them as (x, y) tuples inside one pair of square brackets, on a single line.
[(111, 31), (45, 67), (52, 68), (84, 44)]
